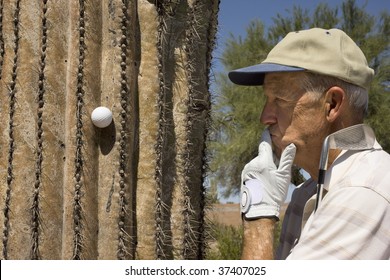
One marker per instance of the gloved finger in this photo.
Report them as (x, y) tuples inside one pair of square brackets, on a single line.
[(266, 158), (266, 136), (286, 160), (265, 146)]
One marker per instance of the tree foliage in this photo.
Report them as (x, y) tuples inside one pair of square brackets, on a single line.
[(236, 110), (236, 125)]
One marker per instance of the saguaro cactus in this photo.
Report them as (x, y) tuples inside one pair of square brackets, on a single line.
[(133, 190)]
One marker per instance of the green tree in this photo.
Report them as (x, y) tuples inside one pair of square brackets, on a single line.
[(282, 25), (373, 36), (237, 108), (325, 16), (236, 127)]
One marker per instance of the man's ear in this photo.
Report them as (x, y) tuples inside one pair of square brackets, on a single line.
[(335, 103)]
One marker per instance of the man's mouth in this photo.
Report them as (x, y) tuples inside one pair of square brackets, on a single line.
[(274, 138), (276, 147)]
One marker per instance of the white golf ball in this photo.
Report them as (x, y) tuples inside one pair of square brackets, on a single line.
[(101, 117)]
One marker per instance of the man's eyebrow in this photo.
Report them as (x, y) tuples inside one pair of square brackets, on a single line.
[(291, 94), (275, 90)]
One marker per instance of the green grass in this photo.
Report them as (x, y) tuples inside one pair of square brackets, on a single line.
[(226, 243)]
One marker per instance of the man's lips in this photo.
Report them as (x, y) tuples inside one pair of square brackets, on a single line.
[(274, 137)]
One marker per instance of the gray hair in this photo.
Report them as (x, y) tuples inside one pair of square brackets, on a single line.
[(356, 95)]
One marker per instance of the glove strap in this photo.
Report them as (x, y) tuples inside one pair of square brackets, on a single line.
[(251, 194)]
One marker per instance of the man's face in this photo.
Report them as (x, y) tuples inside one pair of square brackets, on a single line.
[(293, 116)]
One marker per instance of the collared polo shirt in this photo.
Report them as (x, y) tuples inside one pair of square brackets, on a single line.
[(353, 219)]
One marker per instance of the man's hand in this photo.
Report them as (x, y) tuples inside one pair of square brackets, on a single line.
[(263, 185)]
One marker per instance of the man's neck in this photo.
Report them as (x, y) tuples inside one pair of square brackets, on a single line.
[(313, 171)]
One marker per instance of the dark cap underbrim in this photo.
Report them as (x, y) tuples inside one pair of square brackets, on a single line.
[(254, 75)]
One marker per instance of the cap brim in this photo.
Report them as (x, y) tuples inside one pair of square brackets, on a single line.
[(254, 75)]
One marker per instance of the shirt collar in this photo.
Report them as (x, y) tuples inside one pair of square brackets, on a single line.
[(340, 166)]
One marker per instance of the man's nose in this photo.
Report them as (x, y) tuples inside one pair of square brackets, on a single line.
[(268, 116)]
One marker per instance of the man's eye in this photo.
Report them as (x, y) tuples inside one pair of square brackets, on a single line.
[(283, 102)]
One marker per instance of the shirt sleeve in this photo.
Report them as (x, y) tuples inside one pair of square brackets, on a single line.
[(351, 223)]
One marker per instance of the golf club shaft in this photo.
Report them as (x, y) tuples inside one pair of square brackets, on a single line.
[(356, 137), (320, 187)]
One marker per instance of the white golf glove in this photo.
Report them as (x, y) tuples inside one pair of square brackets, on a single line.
[(263, 185)]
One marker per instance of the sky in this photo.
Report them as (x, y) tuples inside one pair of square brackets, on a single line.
[(235, 16)]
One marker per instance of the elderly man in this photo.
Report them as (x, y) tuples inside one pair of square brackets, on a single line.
[(316, 84)]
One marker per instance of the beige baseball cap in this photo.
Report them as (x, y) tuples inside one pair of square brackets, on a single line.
[(328, 52)]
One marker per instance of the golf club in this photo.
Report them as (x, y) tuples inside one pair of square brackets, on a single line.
[(356, 137)]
